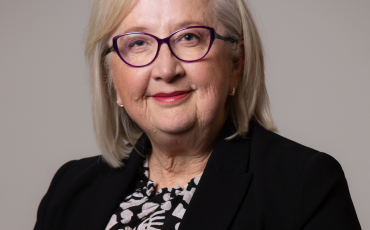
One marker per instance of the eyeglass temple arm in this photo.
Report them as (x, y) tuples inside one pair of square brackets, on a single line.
[(107, 51), (229, 39)]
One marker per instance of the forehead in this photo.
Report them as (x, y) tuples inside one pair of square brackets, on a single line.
[(165, 16)]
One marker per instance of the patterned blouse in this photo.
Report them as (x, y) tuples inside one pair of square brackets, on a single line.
[(145, 209)]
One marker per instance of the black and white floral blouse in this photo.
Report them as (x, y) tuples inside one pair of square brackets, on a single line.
[(145, 209)]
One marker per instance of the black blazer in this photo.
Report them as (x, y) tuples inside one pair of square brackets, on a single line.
[(263, 182)]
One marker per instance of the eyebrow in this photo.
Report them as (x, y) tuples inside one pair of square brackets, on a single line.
[(178, 26), (135, 29), (190, 23)]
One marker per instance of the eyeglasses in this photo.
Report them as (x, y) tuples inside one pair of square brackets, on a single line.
[(188, 44)]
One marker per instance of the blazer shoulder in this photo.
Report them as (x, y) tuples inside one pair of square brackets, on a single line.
[(68, 174), (85, 164), (272, 145), (302, 183), (272, 152), (323, 196), (85, 169)]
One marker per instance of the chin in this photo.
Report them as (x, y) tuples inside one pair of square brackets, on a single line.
[(175, 126)]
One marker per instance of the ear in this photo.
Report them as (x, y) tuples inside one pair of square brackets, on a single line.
[(238, 64), (119, 99), (118, 96)]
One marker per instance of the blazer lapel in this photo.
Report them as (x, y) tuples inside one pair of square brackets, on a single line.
[(223, 185), (216, 200), (103, 197)]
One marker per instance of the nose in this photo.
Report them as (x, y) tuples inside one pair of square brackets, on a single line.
[(166, 67)]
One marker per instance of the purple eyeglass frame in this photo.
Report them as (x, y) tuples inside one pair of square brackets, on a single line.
[(166, 40)]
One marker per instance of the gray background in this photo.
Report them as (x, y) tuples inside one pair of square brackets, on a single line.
[(318, 78)]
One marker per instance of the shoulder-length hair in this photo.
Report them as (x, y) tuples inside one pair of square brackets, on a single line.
[(116, 133)]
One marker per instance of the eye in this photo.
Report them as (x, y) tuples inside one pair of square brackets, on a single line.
[(189, 37), (137, 43)]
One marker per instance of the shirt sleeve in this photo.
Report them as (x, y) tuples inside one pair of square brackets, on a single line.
[(324, 201)]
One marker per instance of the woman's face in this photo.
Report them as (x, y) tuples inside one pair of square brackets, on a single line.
[(194, 93)]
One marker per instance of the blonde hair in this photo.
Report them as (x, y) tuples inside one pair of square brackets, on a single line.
[(116, 133)]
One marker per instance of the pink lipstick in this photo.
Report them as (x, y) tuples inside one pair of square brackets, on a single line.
[(171, 97)]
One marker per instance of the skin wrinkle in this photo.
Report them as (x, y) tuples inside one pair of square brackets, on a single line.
[(182, 136), (171, 165)]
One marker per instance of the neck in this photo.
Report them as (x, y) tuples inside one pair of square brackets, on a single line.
[(176, 159), (175, 170)]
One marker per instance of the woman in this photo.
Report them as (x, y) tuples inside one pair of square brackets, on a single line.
[(182, 117)]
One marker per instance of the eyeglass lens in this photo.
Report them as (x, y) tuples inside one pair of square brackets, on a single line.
[(139, 49)]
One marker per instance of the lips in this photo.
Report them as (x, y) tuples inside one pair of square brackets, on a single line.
[(176, 93), (171, 97)]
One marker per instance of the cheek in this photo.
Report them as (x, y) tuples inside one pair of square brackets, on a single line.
[(129, 82), (131, 88), (212, 78), (212, 82)]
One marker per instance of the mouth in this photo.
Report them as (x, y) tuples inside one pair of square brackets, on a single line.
[(171, 97)]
